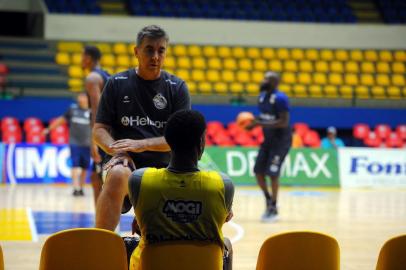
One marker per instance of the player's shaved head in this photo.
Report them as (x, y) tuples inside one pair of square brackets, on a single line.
[(151, 32), (93, 52), (270, 82)]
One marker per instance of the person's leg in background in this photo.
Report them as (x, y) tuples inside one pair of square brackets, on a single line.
[(76, 169)]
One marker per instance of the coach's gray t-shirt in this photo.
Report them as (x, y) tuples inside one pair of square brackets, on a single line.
[(79, 125)]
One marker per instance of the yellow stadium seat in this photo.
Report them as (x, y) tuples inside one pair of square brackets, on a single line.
[(257, 76), (194, 51), (394, 92), (289, 78), (245, 64), (209, 51), (253, 53), (120, 48), (398, 80), (275, 65), (291, 66), (110, 70), (331, 91), (286, 88), (236, 88), (179, 50), (104, 47), (304, 78), (238, 52), (346, 91), (77, 58), (199, 63), (306, 66), (192, 87), (183, 62), (198, 75), (283, 54), (367, 79), (337, 66), (312, 54), (62, 58), (297, 54), (170, 62), (213, 75), (341, 55), (400, 56), (268, 53), (398, 67), (321, 66), (382, 79), (75, 72), (220, 87), (335, 78), (351, 79), (356, 55), (378, 92), (230, 63), (319, 78), (260, 64), (382, 67), (70, 47), (243, 76), (385, 56), (123, 60), (75, 85), (392, 254), (252, 88), (183, 73), (169, 70), (108, 60), (315, 91), (351, 67), (205, 87), (131, 46), (224, 51), (134, 62), (227, 76), (367, 67), (214, 63), (361, 91), (299, 90), (326, 55), (371, 55)]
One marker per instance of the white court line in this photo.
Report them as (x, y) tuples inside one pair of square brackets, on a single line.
[(34, 233), (240, 232)]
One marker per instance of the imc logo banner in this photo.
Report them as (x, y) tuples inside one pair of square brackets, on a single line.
[(370, 167), (301, 167), (45, 163)]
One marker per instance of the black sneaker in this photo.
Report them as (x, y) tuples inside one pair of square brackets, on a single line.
[(81, 193), (270, 215), (75, 193)]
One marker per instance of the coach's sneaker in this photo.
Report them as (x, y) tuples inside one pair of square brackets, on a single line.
[(270, 215)]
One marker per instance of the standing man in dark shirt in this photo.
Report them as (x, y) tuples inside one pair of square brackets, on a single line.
[(274, 118), (133, 110), (94, 83)]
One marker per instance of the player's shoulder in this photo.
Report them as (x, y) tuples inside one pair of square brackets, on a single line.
[(121, 76), (280, 94), (171, 79)]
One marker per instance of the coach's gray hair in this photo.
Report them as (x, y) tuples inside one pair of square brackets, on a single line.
[(153, 32)]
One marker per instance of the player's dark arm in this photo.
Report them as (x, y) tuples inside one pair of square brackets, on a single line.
[(228, 195), (282, 122), (93, 89), (157, 144)]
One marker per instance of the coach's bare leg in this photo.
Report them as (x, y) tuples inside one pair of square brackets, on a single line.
[(83, 174), (110, 201), (97, 184), (229, 248), (275, 188), (262, 184)]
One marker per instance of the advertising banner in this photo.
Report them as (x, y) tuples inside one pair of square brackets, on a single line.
[(371, 167), (305, 166), (37, 163)]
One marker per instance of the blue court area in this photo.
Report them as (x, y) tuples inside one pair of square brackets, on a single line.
[(51, 222)]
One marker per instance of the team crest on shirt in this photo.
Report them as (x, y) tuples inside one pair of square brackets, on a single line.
[(160, 102)]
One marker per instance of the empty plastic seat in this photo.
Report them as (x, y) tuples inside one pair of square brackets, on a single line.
[(35, 137), (12, 137), (372, 140), (382, 79), (198, 63), (337, 66), (108, 60), (304, 78), (341, 55), (120, 48), (252, 88), (75, 84), (385, 56), (351, 67), (371, 55), (238, 52), (75, 72), (394, 141), (320, 78), (378, 92), (306, 66), (253, 53), (400, 56), (297, 54), (257, 76), (312, 54), (301, 128), (315, 91), (220, 87), (194, 51), (299, 90), (326, 55), (398, 67), (62, 58), (331, 91), (346, 91), (398, 79), (245, 64), (198, 75), (123, 60), (205, 87), (170, 62), (179, 50), (382, 131), (9, 121), (401, 130), (183, 73), (335, 79), (275, 65), (236, 88), (31, 122), (184, 62), (311, 139), (260, 65), (321, 66), (230, 63), (243, 76), (283, 54), (367, 79), (213, 75), (70, 47), (383, 67), (289, 77), (360, 131), (356, 55), (268, 53), (209, 51), (367, 67)]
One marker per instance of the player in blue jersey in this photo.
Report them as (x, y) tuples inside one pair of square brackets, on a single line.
[(273, 106), (94, 84)]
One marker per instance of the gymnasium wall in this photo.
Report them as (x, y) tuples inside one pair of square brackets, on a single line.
[(200, 31)]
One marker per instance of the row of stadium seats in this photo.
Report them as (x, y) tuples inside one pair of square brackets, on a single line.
[(73, 6), (393, 11), (237, 70)]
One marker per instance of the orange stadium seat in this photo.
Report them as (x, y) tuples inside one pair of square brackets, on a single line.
[(360, 131), (392, 254)]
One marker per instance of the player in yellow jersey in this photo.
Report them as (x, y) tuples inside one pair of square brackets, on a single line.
[(180, 202)]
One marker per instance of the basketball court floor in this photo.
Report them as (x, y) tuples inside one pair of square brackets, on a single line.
[(360, 219)]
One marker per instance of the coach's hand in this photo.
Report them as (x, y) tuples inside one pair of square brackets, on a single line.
[(129, 145), (120, 158)]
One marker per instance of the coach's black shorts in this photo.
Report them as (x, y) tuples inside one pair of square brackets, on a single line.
[(270, 158)]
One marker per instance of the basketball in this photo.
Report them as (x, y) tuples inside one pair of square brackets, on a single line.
[(244, 119)]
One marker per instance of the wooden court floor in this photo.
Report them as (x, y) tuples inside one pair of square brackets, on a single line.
[(360, 219)]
